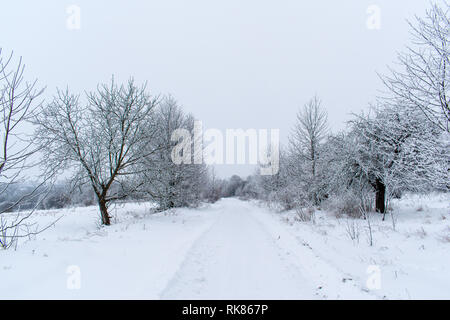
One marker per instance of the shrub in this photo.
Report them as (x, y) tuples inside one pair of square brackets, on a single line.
[(349, 204)]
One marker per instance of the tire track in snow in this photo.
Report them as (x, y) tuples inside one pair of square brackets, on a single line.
[(237, 258)]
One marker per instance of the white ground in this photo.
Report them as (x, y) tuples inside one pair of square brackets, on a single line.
[(232, 250)]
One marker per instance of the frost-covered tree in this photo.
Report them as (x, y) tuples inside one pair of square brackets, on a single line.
[(251, 188), (398, 150), (215, 187), (282, 189), (166, 182), (305, 143), (101, 140), (233, 186), (422, 80)]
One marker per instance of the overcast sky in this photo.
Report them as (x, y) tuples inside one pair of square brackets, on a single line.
[(233, 64)]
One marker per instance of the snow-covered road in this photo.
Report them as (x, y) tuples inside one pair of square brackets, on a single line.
[(231, 249), (237, 258)]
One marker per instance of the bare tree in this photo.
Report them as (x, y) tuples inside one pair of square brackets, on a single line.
[(308, 134), (18, 101), (422, 80), (215, 187), (103, 141)]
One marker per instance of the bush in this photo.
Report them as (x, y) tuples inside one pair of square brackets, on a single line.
[(349, 204), (305, 215), (283, 199)]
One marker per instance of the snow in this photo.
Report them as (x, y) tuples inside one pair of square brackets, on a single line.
[(232, 249), (237, 258), (414, 259), (133, 259)]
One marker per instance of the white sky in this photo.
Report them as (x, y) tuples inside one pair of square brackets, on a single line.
[(233, 64)]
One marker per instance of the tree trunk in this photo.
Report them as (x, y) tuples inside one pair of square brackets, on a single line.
[(380, 195), (104, 212)]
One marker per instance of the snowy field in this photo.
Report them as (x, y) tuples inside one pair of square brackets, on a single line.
[(233, 249)]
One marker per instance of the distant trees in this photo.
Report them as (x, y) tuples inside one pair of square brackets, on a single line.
[(57, 197), (49, 195), (251, 188), (104, 140), (233, 187)]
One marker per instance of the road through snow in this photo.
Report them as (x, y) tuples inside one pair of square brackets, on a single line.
[(237, 258), (231, 249)]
